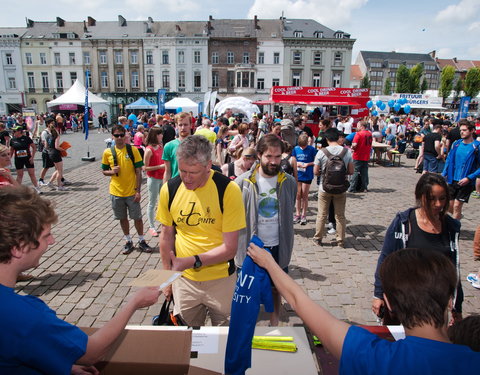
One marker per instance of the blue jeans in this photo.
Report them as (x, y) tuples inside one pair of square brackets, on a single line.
[(360, 172), (430, 163), (154, 185)]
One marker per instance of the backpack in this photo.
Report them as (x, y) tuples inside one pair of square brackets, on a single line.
[(221, 182), (129, 152), (335, 176)]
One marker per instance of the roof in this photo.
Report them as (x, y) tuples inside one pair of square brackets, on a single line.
[(396, 56), (459, 65), (49, 29), (355, 73), (308, 28), (233, 28), (11, 32)]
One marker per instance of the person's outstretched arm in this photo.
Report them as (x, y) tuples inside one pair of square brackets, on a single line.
[(324, 325)]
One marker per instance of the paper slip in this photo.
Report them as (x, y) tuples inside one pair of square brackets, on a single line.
[(160, 278), (205, 340), (397, 332)]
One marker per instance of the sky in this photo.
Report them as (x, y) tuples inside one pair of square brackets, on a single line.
[(451, 28)]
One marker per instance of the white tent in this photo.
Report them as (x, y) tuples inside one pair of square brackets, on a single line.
[(237, 104), (76, 95), (186, 104)]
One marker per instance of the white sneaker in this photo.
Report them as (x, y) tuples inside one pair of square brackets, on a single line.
[(37, 190), (42, 183), (332, 231), (329, 225), (62, 188), (476, 284)]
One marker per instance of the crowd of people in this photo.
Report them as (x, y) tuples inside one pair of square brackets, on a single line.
[(214, 183)]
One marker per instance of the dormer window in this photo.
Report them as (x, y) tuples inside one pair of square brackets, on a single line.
[(318, 34), (339, 34), (298, 34)]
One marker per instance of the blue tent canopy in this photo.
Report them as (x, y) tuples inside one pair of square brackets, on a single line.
[(141, 103)]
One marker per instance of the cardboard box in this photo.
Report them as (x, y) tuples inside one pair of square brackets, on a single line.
[(148, 352)]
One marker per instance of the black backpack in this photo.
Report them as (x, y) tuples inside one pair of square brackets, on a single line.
[(335, 176)]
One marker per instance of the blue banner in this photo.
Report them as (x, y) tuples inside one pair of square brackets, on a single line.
[(161, 101), (463, 108), (85, 113)]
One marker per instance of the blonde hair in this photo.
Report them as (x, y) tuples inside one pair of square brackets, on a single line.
[(180, 116)]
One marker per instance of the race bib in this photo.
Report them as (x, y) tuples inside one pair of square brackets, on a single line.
[(21, 153)]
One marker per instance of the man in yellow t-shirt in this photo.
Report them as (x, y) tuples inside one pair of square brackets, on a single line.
[(200, 234), (125, 186)]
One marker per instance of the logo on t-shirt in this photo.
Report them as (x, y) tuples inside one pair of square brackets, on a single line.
[(192, 218)]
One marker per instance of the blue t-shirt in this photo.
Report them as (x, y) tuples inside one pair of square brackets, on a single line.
[(402, 145), (390, 138), (460, 158), (307, 155), (366, 353), (252, 289), (33, 340)]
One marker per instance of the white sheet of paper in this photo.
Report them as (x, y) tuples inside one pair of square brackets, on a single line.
[(205, 340), (397, 332)]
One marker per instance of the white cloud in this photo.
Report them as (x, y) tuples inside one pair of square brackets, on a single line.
[(444, 53), (474, 26), (465, 10), (182, 7), (331, 13), (474, 52)]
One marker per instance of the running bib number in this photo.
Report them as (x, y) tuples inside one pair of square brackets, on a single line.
[(22, 153)]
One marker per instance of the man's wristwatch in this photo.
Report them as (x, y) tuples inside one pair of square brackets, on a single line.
[(198, 262)]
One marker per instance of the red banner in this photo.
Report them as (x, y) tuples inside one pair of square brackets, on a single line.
[(320, 95)]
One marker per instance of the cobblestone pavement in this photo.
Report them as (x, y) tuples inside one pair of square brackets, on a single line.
[(85, 278)]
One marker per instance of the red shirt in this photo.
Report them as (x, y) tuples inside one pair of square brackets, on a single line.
[(477, 129), (363, 140), (156, 159)]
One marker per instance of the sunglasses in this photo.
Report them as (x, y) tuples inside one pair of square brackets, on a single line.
[(119, 135)]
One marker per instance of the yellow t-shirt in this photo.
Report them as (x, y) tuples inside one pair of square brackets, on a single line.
[(207, 133), (125, 183), (200, 223)]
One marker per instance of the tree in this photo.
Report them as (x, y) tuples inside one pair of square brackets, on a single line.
[(457, 89), (387, 89), (415, 76), (403, 79), (446, 81), (365, 84), (424, 85), (471, 85)]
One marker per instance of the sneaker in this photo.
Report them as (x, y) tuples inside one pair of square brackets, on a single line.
[(317, 242), (472, 278), (65, 182), (128, 248), (476, 284), (475, 194), (42, 183), (62, 188), (303, 220), (332, 231), (51, 186), (329, 225), (296, 219), (153, 232), (37, 190), (143, 247)]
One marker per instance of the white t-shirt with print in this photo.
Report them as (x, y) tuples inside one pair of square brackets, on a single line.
[(268, 210)]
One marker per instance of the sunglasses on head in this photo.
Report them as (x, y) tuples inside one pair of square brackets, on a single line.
[(119, 135)]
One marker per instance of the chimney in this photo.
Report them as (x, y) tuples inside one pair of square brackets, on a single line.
[(30, 22), (60, 22), (85, 30), (433, 54), (121, 21), (150, 20), (177, 27), (91, 21), (210, 18), (455, 60), (255, 22), (148, 29)]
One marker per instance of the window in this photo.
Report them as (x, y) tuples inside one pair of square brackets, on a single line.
[(318, 34), (260, 83), (297, 34), (393, 66), (181, 80), (317, 80), (296, 78), (45, 84), (133, 57), (261, 57), (181, 57), (102, 56), (150, 80), (59, 79), (119, 79), (73, 77), (276, 57), (86, 58), (134, 79), (297, 57), (337, 60), (196, 57), (376, 65), (430, 67), (214, 57), (214, 78), (118, 57), (197, 81), (71, 58), (230, 79), (246, 58), (43, 58), (376, 73), (104, 80), (31, 81), (165, 80), (149, 58), (336, 79), (275, 82), (56, 58), (317, 58), (339, 35), (410, 66), (8, 59), (28, 58), (11, 83), (393, 74), (230, 57), (165, 57), (243, 79)]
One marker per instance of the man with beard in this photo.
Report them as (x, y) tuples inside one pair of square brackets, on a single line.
[(269, 199), (184, 126)]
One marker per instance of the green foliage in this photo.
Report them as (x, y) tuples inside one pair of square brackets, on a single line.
[(424, 86), (387, 89), (457, 89), (403, 80), (472, 82), (446, 81), (414, 79), (365, 84)]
